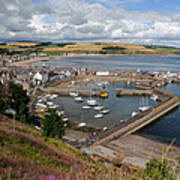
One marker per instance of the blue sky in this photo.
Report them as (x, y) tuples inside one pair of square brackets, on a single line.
[(137, 5), (128, 21), (142, 5)]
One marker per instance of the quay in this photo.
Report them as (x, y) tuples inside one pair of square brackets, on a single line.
[(140, 120), (133, 92), (66, 92)]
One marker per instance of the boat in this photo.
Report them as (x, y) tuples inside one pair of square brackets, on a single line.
[(105, 128), (53, 96), (91, 102), (86, 107), (144, 108), (98, 116), (105, 111), (134, 114), (60, 113), (49, 103), (78, 99), (98, 108), (81, 124), (65, 119), (73, 94), (54, 106), (154, 97), (104, 95)]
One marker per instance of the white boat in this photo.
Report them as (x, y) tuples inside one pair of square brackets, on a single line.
[(60, 113), (91, 102), (54, 106), (65, 119), (144, 108), (105, 111), (86, 107), (134, 114), (78, 99), (49, 103), (105, 128), (98, 116), (81, 124), (154, 97), (53, 96), (73, 94), (98, 108)]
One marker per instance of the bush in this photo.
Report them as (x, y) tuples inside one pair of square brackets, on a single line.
[(156, 170), (53, 125)]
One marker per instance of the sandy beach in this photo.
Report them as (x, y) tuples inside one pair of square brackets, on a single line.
[(28, 63)]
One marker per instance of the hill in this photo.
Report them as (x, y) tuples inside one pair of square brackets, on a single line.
[(109, 48), (26, 154)]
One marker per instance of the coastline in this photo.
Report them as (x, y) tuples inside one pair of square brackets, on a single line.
[(28, 63)]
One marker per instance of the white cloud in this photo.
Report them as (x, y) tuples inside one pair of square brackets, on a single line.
[(62, 20)]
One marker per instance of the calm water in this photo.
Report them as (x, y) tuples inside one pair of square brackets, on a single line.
[(165, 129), (120, 108), (168, 126), (150, 63)]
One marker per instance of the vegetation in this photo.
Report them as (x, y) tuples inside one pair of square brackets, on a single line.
[(53, 125), (157, 170), (85, 48), (26, 154), (12, 96), (114, 48), (166, 49)]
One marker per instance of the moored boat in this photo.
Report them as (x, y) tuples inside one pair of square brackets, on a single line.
[(98, 116), (91, 102), (104, 95), (144, 108), (86, 107), (105, 111), (73, 94), (81, 124), (134, 114), (98, 108), (78, 99), (65, 119)]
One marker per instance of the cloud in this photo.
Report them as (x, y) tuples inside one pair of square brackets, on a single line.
[(79, 20)]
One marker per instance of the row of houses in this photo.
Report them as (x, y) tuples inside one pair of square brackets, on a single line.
[(37, 76), (7, 59)]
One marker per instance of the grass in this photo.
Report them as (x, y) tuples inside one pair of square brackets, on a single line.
[(26, 154)]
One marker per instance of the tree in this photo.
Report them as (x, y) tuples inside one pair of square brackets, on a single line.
[(18, 96), (2, 105), (18, 100), (53, 125)]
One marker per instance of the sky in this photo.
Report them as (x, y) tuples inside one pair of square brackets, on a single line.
[(127, 21)]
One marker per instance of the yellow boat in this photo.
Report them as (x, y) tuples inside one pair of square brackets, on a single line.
[(104, 95)]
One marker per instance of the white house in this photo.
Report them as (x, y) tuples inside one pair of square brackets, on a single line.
[(38, 78), (102, 73)]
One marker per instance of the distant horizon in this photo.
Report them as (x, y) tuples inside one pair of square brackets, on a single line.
[(75, 42)]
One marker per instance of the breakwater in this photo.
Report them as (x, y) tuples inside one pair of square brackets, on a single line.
[(140, 120)]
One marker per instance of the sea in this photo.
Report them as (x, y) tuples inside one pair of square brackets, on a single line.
[(165, 129)]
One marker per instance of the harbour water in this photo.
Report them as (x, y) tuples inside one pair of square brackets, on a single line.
[(147, 63), (120, 108), (165, 129)]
